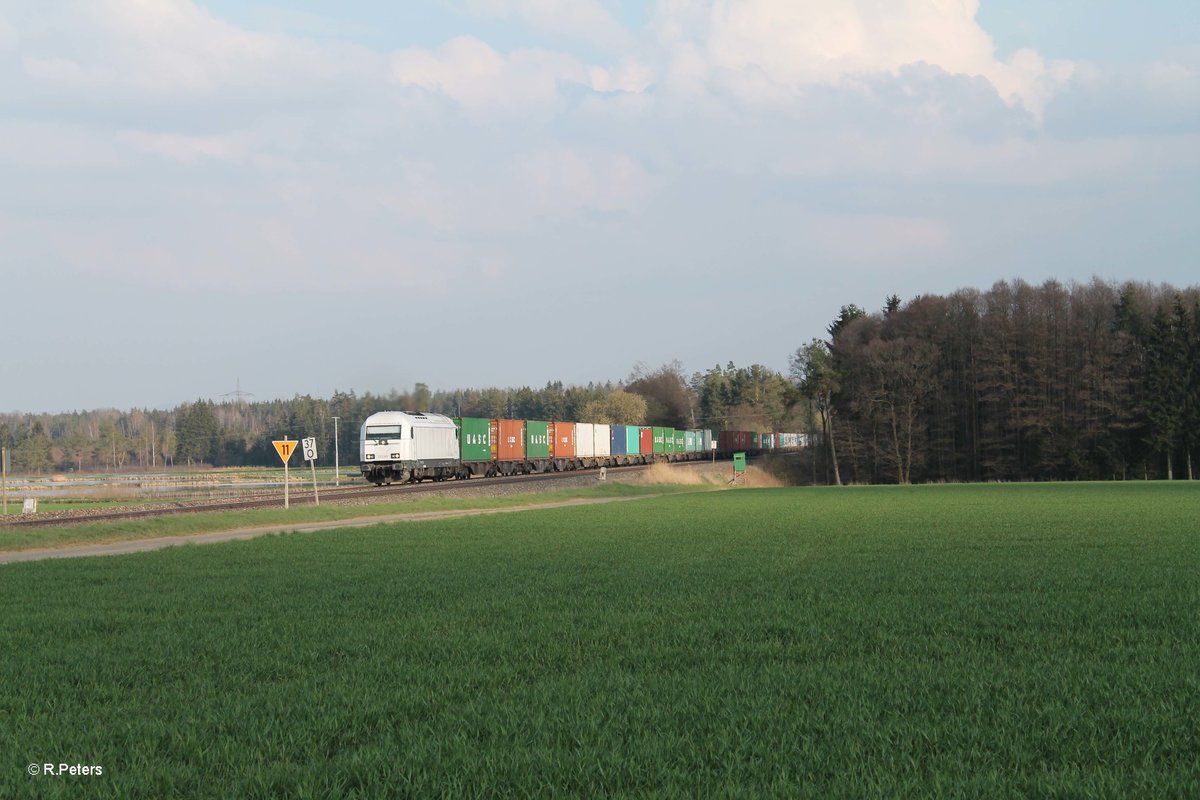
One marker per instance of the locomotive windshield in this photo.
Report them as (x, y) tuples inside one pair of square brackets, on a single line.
[(377, 433)]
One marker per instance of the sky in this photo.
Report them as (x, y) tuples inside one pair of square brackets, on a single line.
[(306, 197)]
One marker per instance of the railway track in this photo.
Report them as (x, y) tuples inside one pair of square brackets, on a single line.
[(299, 497)]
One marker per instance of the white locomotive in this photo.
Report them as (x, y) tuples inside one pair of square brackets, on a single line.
[(397, 446)]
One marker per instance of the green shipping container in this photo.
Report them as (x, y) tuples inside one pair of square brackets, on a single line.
[(680, 441), (537, 439), (660, 442), (475, 439), (689, 441), (668, 440), (632, 440)]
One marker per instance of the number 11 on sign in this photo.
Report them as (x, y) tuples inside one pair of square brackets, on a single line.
[(285, 449)]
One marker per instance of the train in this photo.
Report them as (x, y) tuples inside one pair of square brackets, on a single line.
[(412, 446)]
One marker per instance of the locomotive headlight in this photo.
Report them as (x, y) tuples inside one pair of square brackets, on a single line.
[(370, 456), (395, 456)]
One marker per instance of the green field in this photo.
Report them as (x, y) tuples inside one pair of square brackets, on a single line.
[(972, 641)]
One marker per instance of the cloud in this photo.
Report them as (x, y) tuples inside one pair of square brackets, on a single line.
[(765, 51), (875, 238), (187, 149), (582, 20), (560, 181), (170, 47), (8, 34), (1162, 97), (480, 79)]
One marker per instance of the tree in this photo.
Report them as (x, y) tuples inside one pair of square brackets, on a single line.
[(813, 370), (902, 370), (669, 400), (198, 432), (1167, 381), (618, 408), (32, 453)]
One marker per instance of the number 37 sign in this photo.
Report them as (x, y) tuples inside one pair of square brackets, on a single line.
[(310, 448)]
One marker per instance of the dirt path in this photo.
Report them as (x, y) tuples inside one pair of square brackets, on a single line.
[(141, 545)]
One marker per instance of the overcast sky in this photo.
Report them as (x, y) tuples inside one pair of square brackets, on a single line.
[(312, 196)]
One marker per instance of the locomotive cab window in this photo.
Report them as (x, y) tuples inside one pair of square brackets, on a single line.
[(376, 433)]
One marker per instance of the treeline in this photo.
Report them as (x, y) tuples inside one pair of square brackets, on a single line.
[(239, 433), (1020, 382)]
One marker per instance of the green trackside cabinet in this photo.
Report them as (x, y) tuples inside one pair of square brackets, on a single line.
[(660, 441), (537, 439), (739, 462), (475, 439)]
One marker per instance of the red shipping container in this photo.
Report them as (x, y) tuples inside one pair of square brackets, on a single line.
[(646, 441), (562, 439), (730, 441), (508, 436)]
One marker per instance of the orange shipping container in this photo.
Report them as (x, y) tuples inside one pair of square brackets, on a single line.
[(562, 439), (509, 436)]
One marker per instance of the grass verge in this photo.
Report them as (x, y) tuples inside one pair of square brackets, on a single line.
[(16, 539)]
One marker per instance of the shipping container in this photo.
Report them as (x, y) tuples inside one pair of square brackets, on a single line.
[(689, 441), (632, 439), (562, 439), (660, 440), (585, 445), (537, 439), (680, 441), (603, 439), (475, 439), (508, 439), (731, 441), (645, 441), (617, 441), (707, 441)]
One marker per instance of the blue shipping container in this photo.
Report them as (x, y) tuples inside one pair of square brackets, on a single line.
[(618, 440)]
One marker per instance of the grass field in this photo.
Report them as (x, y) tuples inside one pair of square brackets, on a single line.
[(983, 641)]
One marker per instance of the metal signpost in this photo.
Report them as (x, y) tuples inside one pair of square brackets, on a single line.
[(310, 455), (337, 478), (285, 449), (4, 474)]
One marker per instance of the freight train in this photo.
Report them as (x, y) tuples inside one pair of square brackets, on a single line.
[(401, 446)]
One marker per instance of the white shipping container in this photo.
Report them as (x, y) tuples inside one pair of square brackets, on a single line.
[(585, 447), (603, 440)]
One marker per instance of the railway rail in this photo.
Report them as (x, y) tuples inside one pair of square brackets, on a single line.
[(274, 499)]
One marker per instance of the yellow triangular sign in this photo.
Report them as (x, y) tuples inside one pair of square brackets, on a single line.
[(285, 449)]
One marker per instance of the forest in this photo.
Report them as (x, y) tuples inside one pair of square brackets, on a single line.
[(1092, 381), (1079, 381), (239, 433)]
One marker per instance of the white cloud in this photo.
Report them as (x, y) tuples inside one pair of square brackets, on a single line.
[(875, 238), (479, 78), (188, 149), (166, 47), (583, 20), (767, 50), (560, 181), (8, 34)]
